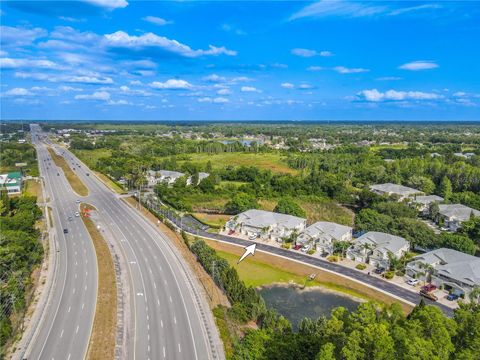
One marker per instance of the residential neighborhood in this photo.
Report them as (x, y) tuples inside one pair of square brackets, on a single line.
[(323, 235), (451, 216), (400, 192), (11, 182)]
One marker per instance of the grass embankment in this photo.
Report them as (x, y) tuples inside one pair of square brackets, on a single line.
[(212, 220), (33, 188), (102, 340), (77, 185), (265, 269)]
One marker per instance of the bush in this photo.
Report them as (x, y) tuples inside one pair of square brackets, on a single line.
[(332, 258), (286, 245), (389, 275), (361, 266), (311, 252)]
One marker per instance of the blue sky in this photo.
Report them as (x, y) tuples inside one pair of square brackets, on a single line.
[(192, 60)]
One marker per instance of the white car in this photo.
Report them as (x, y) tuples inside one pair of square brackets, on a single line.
[(78, 201), (412, 282), (253, 237), (306, 247), (77, 214)]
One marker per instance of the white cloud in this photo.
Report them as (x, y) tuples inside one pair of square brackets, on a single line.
[(119, 102), (171, 84), (156, 20), (419, 65), (374, 95), (121, 39), (305, 86), (325, 8), (10, 63), (126, 90), (345, 70), (214, 78), (310, 53), (136, 82), (108, 4), (68, 88), (402, 11), (287, 85), (459, 94), (97, 95), (18, 92), (249, 89), (217, 100), (233, 28), (20, 36), (315, 68), (86, 79), (388, 78), (224, 92)]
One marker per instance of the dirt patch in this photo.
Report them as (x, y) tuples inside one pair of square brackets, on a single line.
[(102, 339), (215, 296), (77, 185), (323, 277)]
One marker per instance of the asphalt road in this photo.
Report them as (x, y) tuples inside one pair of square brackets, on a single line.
[(170, 319), (66, 326)]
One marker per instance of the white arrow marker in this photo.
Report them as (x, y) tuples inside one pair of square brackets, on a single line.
[(250, 249)]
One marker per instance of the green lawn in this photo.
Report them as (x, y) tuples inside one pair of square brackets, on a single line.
[(269, 161), (90, 157)]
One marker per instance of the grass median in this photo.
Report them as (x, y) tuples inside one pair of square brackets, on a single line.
[(102, 339), (77, 185)]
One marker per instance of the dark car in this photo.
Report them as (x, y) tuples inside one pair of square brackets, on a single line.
[(65, 231), (380, 270), (429, 288), (58, 174), (452, 297), (297, 247), (428, 295), (88, 174)]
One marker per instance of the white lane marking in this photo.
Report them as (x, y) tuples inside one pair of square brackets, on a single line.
[(170, 299), (69, 308), (86, 273), (83, 305), (154, 285), (85, 287), (76, 331), (174, 319), (75, 275), (164, 351), (148, 348), (73, 292), (69, 355), (179, 348), (158, 302), (161, 323), (61, 334), (139, 294)]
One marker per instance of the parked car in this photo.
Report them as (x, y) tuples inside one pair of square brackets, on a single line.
[(429, 288), (77, 201), (379, 270), (412, 282), (452, 297), (88, 174), (253, 237), (58, 174), (428, 295), (65, 231), (306, 247), (297, 247), (77, 214), (70, 218), (231, 232)]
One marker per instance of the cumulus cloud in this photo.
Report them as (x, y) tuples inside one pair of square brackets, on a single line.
[(94, 78), (287, 85), (216, 100), (121, 39), (20, 36), (305, 86), (310, 53), (374, 95), (315, 68), (108, 4), (345, 70), (156, 20), (249, 89), (171, 84), (126, 90), (214, 78), (18, 92), (388, 78), (419, 65), (97, 95), (224, 91), (11, 63), (65, 88)]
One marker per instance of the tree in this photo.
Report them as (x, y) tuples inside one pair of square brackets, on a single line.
[(241, 202), (327, 352), (433, 210), (471, 228), (288, 206), (458, 242), (445, 188)]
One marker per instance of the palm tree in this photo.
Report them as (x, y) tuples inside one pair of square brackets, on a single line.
[(474, 294)]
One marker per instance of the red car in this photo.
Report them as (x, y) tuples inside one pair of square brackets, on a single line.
[(231, 232), (429, 288), (297, 247)]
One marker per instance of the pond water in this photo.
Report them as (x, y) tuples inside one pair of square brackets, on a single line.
[(296, 304)]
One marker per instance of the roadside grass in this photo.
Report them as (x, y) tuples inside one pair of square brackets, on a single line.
[(33, 188), (109, 183), (267, 161), (75, 182), (201, 202), (213, 220), (102, 340)]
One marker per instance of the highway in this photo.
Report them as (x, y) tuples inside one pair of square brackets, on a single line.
[(170, 318), (68, 317)]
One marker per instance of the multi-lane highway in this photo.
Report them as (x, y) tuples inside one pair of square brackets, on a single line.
[(67, 320), (170, 318)]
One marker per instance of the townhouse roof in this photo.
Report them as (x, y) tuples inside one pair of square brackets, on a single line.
[(326, 229), (262, 219), (427, 199), (382, 241), (457, 211), (395, 189)]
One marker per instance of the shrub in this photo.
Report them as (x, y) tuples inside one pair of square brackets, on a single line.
[(311, 252), (389, 275), (361, 266), (332, 258), (286, 245)]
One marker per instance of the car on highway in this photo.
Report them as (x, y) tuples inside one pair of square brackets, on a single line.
[(429, 288), (58, 174), (77, 214), (88, 174), (428, 295), (412, 282), (77, 201), (70, 218), (65, 231)]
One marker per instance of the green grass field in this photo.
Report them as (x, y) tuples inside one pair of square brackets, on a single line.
[(90, 157), (268, 161)]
